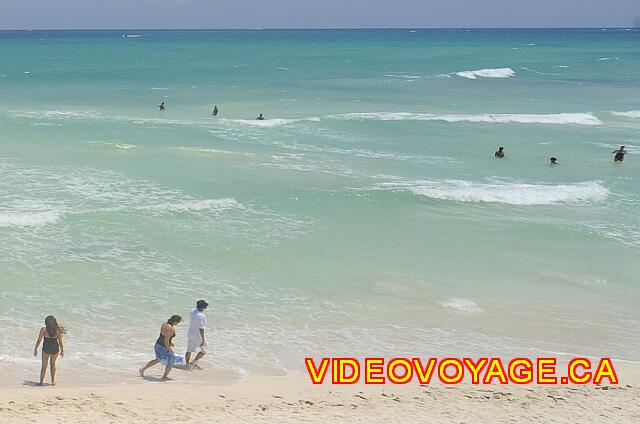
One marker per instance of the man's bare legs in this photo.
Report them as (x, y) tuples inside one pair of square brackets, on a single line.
[(198, 357)]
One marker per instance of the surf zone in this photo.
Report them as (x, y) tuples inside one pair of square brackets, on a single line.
[(347, 370)]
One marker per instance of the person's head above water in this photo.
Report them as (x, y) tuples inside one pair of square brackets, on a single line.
[(500, 148), (553, 160), (201, 305)]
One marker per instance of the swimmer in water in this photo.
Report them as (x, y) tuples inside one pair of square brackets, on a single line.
[(553, 161), (619, 157), (215, 110), (500, 153), (162, 106), (260, 118)]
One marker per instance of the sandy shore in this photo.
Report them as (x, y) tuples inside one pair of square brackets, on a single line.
[(295, 400)]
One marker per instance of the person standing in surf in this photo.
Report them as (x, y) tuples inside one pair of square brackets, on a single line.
[(162, 106), (260, 118), (499, 153), (52, 345), (195, 337), (215, 110), (164, 347), (619, 157)]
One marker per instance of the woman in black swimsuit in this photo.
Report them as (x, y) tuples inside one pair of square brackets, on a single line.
[(164, 347), (619, 157), (52, 346)]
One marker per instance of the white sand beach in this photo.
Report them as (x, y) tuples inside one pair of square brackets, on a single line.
[(295, 400)]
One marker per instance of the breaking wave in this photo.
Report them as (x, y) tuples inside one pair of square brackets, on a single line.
[(487, 73), (507, 193), (196, 205), (499, 118), (635, 114), (29, 219)]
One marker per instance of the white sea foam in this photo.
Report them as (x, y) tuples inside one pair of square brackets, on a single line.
[(79, 115), (502, 192), (460, 304), (123, 146), (498, 118), (196, 205), (46, 124), (487, 73), (57, 114), (404, 76), (29, 219), (270, 123), (630, 114), (204, 150)]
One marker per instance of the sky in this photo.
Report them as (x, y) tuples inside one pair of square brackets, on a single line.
[(167, 14)]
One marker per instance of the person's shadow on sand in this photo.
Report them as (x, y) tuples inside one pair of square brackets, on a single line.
[(156, 379), (34, 383)]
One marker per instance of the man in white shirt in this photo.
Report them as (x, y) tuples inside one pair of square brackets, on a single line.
[(196, 340)]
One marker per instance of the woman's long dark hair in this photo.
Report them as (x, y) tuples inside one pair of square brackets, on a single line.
[(175, 319), (51, 323)]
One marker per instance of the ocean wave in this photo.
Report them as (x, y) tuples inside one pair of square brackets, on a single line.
[(500, 192), (196, 205), (635, 114), (487, 73), (203, 122), (29, 219), (57, 114), (270, 123), (122, 146), (460, 304), (499, 118), (403, 76), (209, 151)]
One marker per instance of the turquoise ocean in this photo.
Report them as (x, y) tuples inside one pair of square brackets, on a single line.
[(366, 215)]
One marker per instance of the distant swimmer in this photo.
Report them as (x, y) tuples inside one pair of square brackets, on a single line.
[(215, 110), (553, 161), (500, 152), (260, 118), (162, 106), (619, 157)]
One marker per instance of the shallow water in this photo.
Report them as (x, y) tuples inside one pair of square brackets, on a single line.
[(366, 215)]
